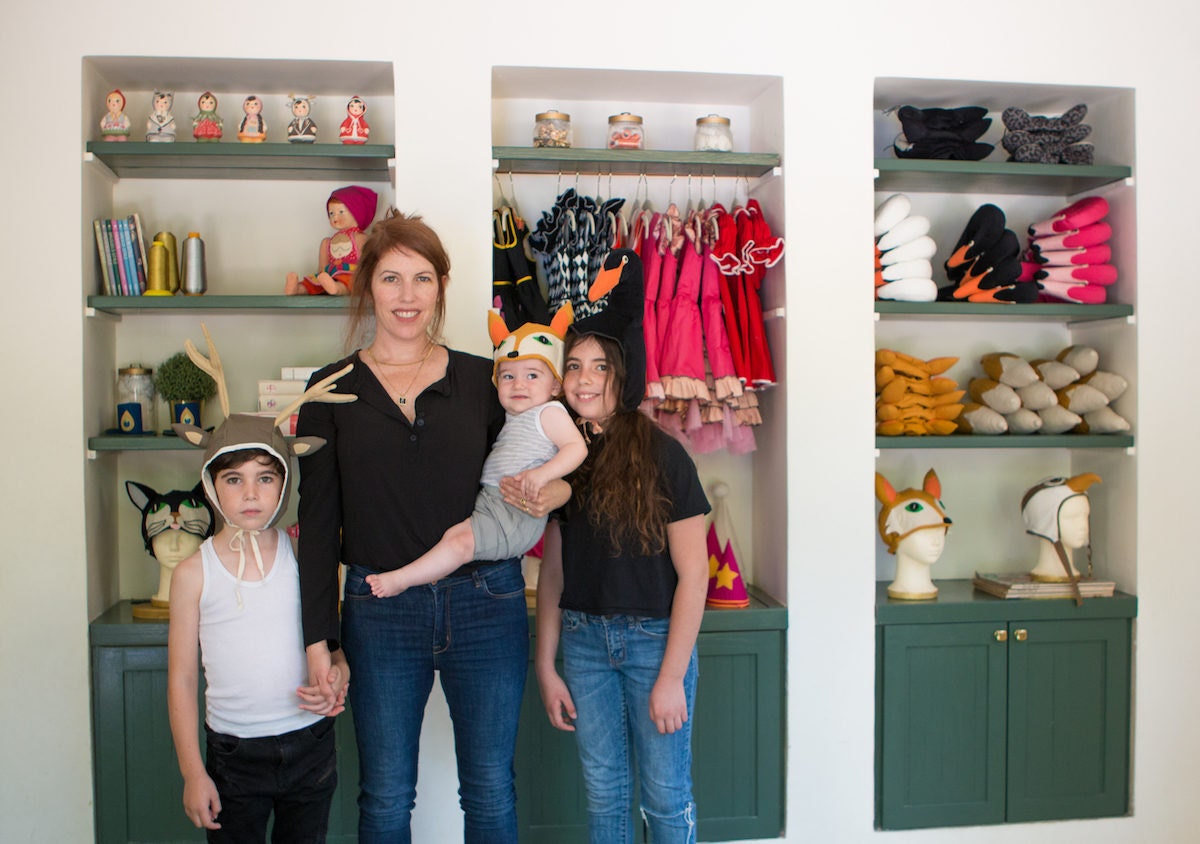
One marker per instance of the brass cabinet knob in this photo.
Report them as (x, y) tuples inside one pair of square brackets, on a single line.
[(1000, 635), (1021, 634)]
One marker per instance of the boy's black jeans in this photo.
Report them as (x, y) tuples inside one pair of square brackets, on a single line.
[(293, 774)]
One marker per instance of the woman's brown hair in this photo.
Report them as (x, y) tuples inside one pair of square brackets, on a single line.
[(395, 231), (625, 488)]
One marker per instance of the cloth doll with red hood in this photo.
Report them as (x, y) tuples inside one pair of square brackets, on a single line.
[(351, 211)]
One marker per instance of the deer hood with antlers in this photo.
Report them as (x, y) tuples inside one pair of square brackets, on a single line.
[(242, 431)]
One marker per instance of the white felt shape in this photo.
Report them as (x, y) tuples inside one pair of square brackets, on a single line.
[(908, 290), (905, 231), (981, 419), (1023, 421), (1008, 369), (1058, 420), (1037, 396), (1104, 421), (908, 269), (1109, 383), (915, 250), (999, 397), (1056, 374), (1080, 398), (1083, 359), (890, 212)]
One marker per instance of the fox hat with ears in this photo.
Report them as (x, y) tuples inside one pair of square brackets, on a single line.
[(910, 510), (532, 341), (242, 431)]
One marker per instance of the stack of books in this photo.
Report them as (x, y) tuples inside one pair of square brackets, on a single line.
[(1023, 586), (121, 245), (275, 395)]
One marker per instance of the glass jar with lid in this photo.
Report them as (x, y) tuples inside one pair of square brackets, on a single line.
[(135, 399), (625, 131), (552, 129), (713, 134)]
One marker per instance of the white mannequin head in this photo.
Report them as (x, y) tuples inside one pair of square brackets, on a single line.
[(913, 523), (171, 547)]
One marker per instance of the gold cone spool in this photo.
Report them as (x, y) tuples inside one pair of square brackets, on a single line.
[(168, 240), (156, 274)]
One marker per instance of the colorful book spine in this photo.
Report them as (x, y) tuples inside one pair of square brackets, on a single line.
[(120, 257), (105, 280), (131, 269), (110, 249), (139, 248)]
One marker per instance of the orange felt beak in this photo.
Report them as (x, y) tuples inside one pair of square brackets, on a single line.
[(606, 280)]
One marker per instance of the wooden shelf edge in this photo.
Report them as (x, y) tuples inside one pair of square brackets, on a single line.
[(995, 441), (1016, 312), (629, 162), (216, 302)]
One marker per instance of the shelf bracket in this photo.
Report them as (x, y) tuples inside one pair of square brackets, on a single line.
[(96, 313), (773, 173), (1131, 451), (90, 453), (91, 159)]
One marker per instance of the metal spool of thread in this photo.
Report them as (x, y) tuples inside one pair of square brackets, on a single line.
[(156, 273), (195, 280), (168, 241)]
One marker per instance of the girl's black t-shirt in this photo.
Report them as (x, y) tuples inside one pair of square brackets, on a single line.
[(600, 582)]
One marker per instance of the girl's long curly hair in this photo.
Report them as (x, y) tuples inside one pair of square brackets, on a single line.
[(621, 474)]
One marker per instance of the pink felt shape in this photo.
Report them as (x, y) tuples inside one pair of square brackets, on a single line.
[(1091, 235), (1090, 209), (1088, 294), (1093, 274), (1100, 254)]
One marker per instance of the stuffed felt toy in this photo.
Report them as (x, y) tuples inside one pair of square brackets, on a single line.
[(943, 133), (899, 233), (1059, 399), (1068, 255), (985, 265), (910, 398), (1046, 140)]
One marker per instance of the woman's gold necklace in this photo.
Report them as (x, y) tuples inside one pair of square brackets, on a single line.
[(402, 395)]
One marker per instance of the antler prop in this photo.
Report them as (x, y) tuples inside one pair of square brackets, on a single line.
[(210, 365), (322, 391)]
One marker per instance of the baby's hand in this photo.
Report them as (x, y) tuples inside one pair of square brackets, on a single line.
[(531, 481)]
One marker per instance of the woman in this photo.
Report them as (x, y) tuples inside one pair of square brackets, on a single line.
[(401, 465), (627, 564)]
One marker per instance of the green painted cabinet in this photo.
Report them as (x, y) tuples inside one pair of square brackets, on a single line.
[(992, 711), (737, 740)]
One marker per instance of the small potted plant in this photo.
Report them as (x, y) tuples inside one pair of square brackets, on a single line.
[(184, 387)]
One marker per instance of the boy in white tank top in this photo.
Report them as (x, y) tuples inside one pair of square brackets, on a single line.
[(270, 740)]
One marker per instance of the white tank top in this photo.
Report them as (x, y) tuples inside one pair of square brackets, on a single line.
[(522, 444), (253, 657)]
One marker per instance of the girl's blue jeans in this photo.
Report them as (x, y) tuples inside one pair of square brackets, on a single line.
[(473, 629), (610, 664)]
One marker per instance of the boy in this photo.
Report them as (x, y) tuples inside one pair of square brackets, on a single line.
[(539, 443), (270, 745)]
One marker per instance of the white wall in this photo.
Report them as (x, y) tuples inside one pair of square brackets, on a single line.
[(443, 56)]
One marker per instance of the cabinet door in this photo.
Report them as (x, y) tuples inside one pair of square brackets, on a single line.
[(1068, 702), (942, 704), (139, 793)]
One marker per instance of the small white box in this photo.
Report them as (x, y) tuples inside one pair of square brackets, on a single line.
[(298, 373), (281, 387), (274, 403)]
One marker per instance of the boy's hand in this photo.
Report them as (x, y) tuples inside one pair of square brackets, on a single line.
[(201, 802), (329, 703)]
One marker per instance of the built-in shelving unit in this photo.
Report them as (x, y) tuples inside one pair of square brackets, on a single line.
[(214, 303)]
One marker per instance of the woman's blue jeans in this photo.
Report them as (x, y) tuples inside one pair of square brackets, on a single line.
[(474, 630), (610, 664)]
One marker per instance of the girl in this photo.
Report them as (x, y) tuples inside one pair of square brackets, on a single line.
[(623, 584)]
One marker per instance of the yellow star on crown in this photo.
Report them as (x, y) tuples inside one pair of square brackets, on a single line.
[(713, 565), (725, 576)]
